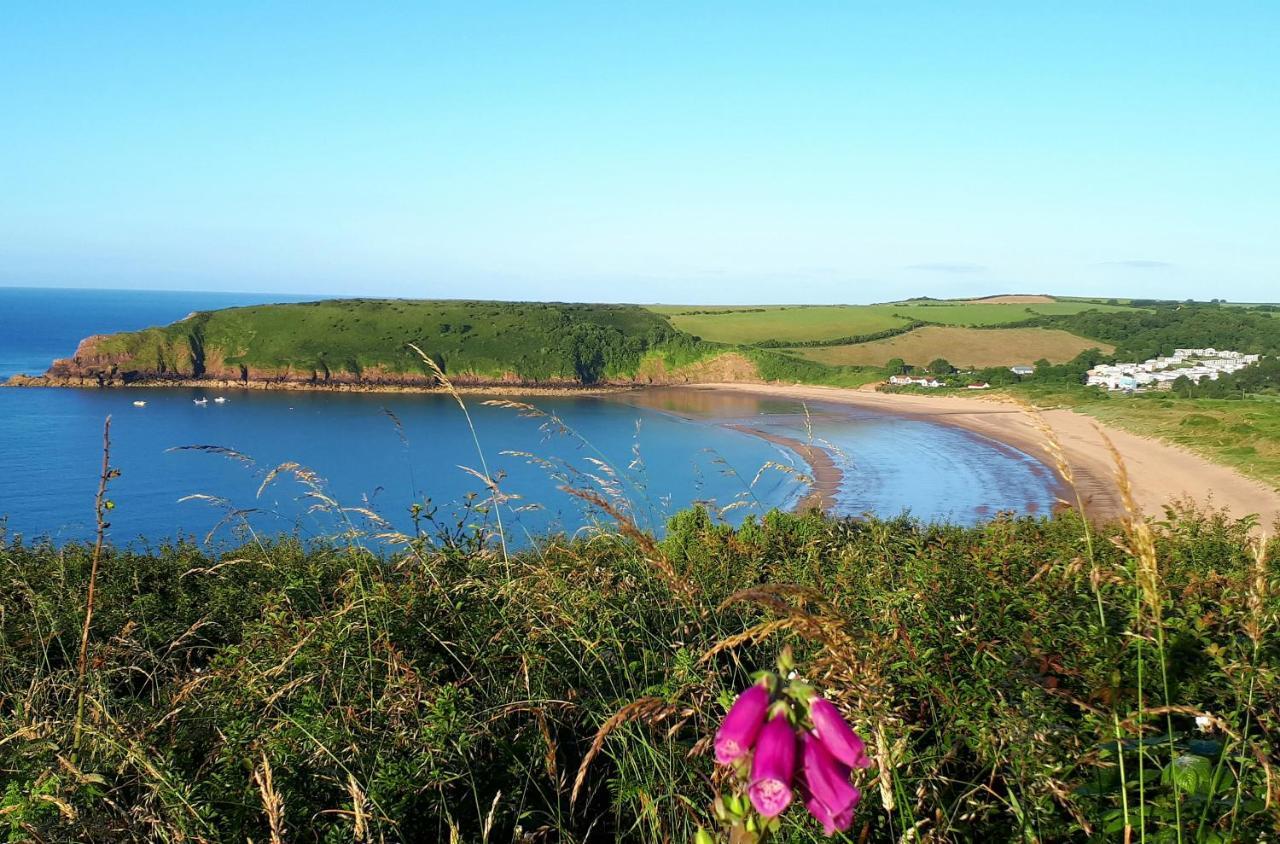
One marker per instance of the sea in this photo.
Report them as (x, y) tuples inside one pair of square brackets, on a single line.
[(363, 467)]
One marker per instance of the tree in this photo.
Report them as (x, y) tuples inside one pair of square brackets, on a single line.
[(941, 366), (897, 366)]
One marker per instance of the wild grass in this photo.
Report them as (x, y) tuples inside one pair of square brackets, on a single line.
[(1023, 680)]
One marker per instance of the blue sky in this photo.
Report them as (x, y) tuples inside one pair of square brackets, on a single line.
[(735, 152)]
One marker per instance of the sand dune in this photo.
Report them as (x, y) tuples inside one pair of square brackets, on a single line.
[(1160, 473)]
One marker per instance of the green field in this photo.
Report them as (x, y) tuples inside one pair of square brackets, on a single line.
[(790, 324), (755, 324), (983, 313), (962, 347)]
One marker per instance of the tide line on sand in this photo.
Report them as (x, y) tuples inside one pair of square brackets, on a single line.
[(824, 473), (1160, 473)]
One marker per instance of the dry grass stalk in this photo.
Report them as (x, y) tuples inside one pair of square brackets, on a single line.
[(272, 804), (1256, 622), (359, 815), (1141, 539), (439, 375), (652, 709), (885, 776), (751, 635), (678, 585), (488, 821), (100, 506)]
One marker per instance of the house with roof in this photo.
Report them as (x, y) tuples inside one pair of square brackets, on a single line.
[(914, 381)]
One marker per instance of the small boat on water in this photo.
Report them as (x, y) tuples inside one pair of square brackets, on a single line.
[(139, 404), (220, 400), (200, 402)]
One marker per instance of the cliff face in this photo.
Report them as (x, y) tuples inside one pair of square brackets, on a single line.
[(103, 359), (100, 362)]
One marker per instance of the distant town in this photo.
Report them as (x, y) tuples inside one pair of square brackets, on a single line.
[(1160, 373)]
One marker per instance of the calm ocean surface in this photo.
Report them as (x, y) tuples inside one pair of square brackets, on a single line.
[(662, 450)]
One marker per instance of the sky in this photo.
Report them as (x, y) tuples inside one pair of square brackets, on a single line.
[(652, 152)]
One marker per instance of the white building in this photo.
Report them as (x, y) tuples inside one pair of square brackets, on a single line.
[(1160, 373), (914, 381)]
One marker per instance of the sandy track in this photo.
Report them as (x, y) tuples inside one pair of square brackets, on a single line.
[(1160, 473)]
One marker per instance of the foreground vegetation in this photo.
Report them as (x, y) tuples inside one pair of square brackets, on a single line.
[(1027, 680)]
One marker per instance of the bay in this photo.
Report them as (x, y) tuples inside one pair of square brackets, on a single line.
[(197, 470)]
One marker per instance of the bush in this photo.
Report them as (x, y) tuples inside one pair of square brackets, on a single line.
[(1003, 672)]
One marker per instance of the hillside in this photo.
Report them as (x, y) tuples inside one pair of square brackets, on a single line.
[(781, 325), (963, 347), (366, 341)]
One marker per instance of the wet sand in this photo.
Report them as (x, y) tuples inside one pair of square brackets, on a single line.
[(825, 475), (1160, 473)]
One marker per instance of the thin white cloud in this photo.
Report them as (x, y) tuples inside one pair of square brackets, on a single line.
[(949, 267), (1138, 265)]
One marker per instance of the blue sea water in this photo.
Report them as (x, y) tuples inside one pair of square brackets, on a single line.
[(198, 470)]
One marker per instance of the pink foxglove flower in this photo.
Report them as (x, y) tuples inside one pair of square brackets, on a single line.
[(837, 736), (829, 796), (831, 824), (773, 767), (741, 725)]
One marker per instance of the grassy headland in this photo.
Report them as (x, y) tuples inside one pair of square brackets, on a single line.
[(367, 342), (368, 339)]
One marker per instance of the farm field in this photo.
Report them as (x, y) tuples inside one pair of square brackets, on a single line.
[(753, 324), (790, 324), (1013, 299), (963, 347), (988, 313)]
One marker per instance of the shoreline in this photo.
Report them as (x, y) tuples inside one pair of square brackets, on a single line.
[(1161, 474), (19, 382), (825, 476)]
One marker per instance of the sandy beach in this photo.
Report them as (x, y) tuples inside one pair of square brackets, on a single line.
[(1160, 473), (825, 474)]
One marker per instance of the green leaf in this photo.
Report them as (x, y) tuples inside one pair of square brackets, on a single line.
[(1192, 774)]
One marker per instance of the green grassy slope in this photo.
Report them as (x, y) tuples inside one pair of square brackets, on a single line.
[(788, 324)]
